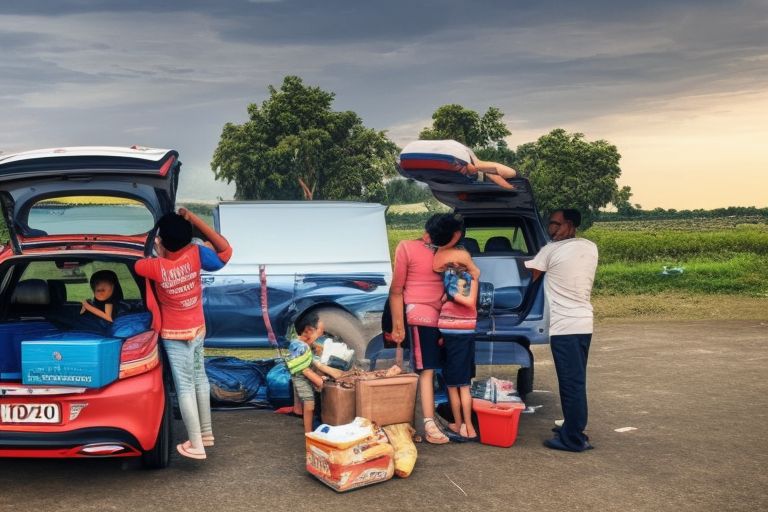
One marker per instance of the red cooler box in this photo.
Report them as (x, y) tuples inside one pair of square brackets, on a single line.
[(497, 422)]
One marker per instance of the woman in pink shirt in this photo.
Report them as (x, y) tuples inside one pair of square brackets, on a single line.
[(417, 290)]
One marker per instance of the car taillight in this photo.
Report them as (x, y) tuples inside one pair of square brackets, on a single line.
[(366, 286), (139, 354)]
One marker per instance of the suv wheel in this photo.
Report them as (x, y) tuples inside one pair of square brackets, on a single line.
[(342, 326), (159, 457)]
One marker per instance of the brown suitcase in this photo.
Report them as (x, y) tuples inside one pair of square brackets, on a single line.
[(337, 406), (387, 400)]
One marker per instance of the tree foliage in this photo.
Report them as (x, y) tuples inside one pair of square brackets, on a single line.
[(567, 171), (406, 191), (467, 126), (295, 146)]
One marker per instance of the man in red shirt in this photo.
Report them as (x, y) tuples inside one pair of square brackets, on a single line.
[(176, 274)]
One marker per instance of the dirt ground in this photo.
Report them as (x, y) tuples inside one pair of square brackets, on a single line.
[(694, 393)]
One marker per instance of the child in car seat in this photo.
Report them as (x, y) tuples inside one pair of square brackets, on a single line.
[(104, 284), (458, 317)]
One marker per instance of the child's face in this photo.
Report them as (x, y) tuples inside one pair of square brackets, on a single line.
[(312, 333), (103, 290)]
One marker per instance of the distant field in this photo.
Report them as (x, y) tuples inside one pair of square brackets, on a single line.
[(718, 256)]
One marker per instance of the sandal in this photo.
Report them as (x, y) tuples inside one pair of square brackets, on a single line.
[(192, 453), (464, 433), (433, 434)]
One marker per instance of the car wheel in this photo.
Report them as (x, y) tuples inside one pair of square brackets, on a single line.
[(525, 378), (342, 326), (159, 457)]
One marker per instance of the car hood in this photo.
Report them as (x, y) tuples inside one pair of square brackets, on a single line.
[(145, 175)]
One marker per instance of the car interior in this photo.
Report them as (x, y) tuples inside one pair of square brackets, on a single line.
[(41, 298)]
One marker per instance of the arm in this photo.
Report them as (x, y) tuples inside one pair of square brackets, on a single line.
[(503, 171), (396, 300), (324, 368), (313, 377), (219, 242), (104, 315), (535, 274)]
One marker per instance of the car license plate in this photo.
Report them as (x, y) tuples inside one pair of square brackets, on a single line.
[(29, 413)]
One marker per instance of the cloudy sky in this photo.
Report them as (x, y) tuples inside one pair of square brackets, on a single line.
[(681, 87)]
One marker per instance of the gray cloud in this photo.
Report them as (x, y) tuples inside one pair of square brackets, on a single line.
[(172, 73)]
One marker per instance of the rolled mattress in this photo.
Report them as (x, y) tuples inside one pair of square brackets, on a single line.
[(441, 161)]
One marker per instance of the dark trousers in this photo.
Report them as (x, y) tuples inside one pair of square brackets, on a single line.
[(570, 352)]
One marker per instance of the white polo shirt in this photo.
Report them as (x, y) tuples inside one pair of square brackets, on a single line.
[(570, 272)]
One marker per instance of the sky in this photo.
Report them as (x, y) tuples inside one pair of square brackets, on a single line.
[(680, 87)]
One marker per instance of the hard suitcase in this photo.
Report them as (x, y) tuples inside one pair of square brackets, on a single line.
[(387, 400), (338, 403)]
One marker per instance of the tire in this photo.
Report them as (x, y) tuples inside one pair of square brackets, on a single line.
[(159, 457), (525, 377), (342, 326)]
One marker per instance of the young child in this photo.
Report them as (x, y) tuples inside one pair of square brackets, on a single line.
[(307, 372), (458, 317), (106, 295), (176, 273)]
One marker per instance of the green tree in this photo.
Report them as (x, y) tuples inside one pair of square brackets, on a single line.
[(467, 126), (567, 171), (406, 191), (294, 146)]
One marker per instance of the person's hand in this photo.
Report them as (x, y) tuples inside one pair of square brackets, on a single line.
[(185, 214), (159, 249), (84, 307), (398, 334)]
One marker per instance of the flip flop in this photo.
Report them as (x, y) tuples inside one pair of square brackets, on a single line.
[(432, 438), (191, 453), (463, 431)]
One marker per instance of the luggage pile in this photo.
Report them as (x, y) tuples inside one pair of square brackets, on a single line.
[(367, 435)]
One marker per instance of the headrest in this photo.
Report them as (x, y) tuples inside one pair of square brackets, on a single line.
[(471, 245), (32, 292), (498, 244), (58, 290)]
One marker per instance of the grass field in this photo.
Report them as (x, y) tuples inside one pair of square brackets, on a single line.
[(717, 257)]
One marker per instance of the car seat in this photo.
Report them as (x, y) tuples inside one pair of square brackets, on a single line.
[(31, 297), (498, 244), (471, 245)]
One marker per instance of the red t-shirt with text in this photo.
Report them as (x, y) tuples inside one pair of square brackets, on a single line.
[(179, 291)]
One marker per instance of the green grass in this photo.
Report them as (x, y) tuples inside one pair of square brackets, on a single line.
[(731, 260)]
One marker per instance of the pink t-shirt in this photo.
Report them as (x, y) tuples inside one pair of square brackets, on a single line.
[(422, 287)]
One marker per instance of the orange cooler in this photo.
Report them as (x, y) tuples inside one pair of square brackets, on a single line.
[(348, 465), (498, 422)]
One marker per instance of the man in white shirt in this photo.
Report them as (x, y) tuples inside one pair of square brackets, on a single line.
[(569, 264)]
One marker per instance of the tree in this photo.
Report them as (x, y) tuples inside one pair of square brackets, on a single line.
[(406, 191), (294, 146), (567, 171), (467, 126)]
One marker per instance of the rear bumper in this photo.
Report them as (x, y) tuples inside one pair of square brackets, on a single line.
[(69, 444), (127, 412)]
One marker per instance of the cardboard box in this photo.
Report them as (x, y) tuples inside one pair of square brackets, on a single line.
[(70, 359), (344, 466)]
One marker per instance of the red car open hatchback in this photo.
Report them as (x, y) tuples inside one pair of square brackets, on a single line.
[(72, 384)]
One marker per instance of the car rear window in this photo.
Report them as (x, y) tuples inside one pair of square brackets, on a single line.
[(498, 239), (95, 215), (75, 277)]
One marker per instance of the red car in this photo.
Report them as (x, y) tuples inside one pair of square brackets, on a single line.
[(71, 212)]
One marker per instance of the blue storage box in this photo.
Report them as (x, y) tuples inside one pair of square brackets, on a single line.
[(11, 336), (70, 359)]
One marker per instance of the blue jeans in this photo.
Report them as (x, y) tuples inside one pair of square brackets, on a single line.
[(192, 387), (570, 352)]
